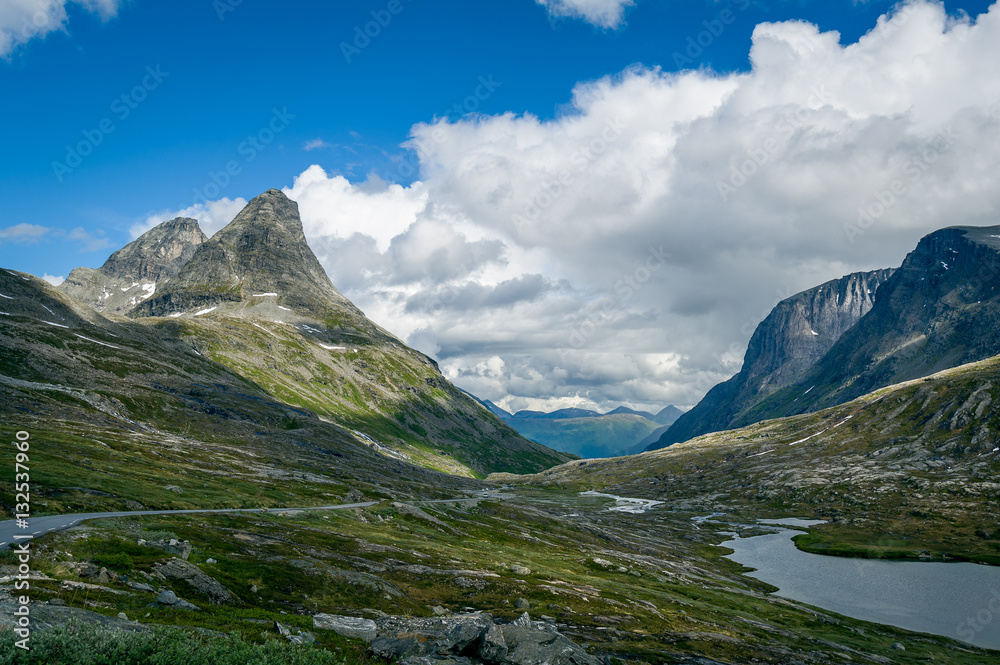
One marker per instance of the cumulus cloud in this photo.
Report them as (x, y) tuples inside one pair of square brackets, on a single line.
[(624, 251), (211, 216), (53, 279), (23, 20), (601, 13)]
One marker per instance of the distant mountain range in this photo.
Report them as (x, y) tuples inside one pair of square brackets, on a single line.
[(866, 331), (589, 434)]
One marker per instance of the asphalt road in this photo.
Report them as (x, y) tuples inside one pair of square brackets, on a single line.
[(40, 526)]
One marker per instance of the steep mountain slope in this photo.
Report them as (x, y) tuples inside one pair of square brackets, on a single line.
[(939, 310), (797, 333), (134, 273), (255, 299)]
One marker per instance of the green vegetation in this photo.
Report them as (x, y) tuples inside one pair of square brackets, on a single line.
[(77, 644)]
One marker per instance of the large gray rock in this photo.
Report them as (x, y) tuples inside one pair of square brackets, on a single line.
[(530, 646), (364, 629), (177, 569), (173, 546), (458, 637)]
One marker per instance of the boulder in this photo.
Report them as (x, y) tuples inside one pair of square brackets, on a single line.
[(170, 599), (530, 646), (199, 581), (172, 546), (364, 629)]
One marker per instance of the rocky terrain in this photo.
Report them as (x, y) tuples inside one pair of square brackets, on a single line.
[(784, 348), (134, 273)]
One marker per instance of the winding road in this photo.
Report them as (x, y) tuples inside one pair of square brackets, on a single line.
[(37, 527)]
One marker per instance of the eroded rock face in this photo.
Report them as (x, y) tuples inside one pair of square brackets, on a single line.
[(784, 348), (134, 273)]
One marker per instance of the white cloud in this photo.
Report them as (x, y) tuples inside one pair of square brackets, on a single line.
[(211, 216), (625, 251), (53, 280), (602, 13), (23, 233), (23, 20), (315, 144)]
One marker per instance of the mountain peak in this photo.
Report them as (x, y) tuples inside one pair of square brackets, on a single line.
[(260, 257), (136, 271)]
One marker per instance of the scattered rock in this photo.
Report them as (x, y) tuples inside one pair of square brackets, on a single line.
[(524, 621), (470, 583), (170, 599), (522, 604), (438, 610), (898, 646), (182, 570), (123, 616), (364, 629), (56, 601), (167, 598), (211, 561), (518, 569), (603, 563), (141, 586), (173, 546), (282, 630), (302, 637)]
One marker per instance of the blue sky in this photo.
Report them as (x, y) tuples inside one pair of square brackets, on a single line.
[(584, 129), (224, 77)]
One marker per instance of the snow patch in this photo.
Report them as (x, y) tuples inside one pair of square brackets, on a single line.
[(808, 391), (264, 295), (284, 308), (333, 348), (763, 453), (205, 311), (96, 342), (264, 329), (57, 325), (176, 314), (150, 289), (7, 297), (814, 333)]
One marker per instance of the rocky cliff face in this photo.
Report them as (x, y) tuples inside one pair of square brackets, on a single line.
[(797, 333), (134, 273), (941, 309)]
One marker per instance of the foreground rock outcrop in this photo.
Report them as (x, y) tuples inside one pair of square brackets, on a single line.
[(460, 638)]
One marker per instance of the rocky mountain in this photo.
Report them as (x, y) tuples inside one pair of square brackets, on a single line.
[(784, 348), (940, 309), (254, 301), (262, 251), (133, 274)]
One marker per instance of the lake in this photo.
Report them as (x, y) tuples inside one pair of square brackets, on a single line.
[(956, 600)]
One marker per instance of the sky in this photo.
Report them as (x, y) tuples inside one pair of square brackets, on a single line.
[(565, 202)]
